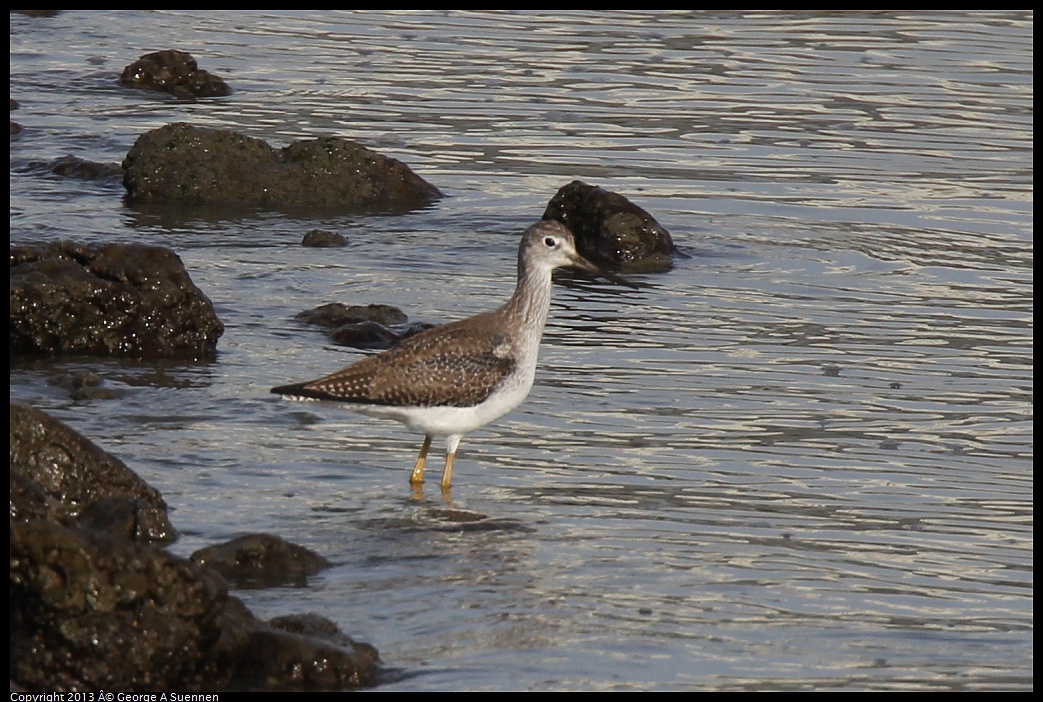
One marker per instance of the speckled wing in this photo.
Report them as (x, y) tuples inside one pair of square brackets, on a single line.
[(447, 366)]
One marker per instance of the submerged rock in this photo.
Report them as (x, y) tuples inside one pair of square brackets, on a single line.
[(363, 326), (261, 560), (84, 385), (611, 230), (124, 299), (374, 336), (337, 314), (183, 164), (15, 127), (323, 238), (174, 72), (74, 167)]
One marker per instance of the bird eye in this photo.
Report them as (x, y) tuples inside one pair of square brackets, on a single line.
[(550, 242)]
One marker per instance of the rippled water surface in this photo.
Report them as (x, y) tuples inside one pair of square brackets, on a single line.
[(802, 459)]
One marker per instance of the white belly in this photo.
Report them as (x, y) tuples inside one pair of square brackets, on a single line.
[(448, 421)]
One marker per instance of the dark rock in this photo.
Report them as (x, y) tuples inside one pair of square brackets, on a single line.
[(120, 516), (611, 230), (123, 299), (174, 72), (75, 380), (336, 314), (374, 336), (84, 386), (28, 499), (190, 165), (323, 238), (310, 624), (363, 326), (261, 560), (279, 660), (91, 611), (74, 167), (365, 335), (57, 474)]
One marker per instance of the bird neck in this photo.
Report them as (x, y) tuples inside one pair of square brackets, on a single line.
[(530, 302)]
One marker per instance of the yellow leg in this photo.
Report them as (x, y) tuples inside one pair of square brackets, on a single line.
[(417, 475), (451, 442), (447, 474)]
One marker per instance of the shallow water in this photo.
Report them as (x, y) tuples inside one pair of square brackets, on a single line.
[(800, 460)]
